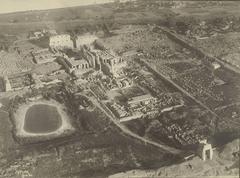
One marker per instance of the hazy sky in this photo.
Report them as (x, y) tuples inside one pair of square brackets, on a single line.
[(23, 5)]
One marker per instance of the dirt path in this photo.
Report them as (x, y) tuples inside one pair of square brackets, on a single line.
[(125, 130)]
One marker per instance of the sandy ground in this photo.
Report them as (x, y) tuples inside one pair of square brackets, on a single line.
[(20, 118), (224, 164)]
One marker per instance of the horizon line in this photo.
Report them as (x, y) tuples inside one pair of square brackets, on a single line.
[(42, 9)]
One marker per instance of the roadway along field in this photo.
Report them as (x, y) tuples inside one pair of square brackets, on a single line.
[(186, 93), (192, 47)]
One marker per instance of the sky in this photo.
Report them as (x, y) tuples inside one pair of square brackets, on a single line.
[(23, 5)]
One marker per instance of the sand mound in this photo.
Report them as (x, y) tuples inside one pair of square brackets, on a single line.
[(230, 151), (225, 163)]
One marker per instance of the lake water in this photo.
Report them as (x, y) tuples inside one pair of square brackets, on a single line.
[(42, 118)]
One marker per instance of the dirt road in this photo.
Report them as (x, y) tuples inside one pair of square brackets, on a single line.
[(126, 131)]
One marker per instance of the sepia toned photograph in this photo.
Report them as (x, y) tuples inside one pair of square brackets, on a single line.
[(119, 89)]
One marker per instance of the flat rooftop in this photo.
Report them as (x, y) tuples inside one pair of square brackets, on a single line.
[(77, 61), (140, 98)]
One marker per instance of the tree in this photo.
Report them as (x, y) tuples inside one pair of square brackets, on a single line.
[(182, 27)]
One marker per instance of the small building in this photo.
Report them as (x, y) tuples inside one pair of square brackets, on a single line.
[(35, 35), (61, 41), (215, 65), (119, 110), (205, 150), (37, 81), (130, 53), (17, 82), (141, 100), (7, 85), (43, 56), (80, 61), (51, 32), (217, 81), (110, 63), (76, 65), (123, 83)]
